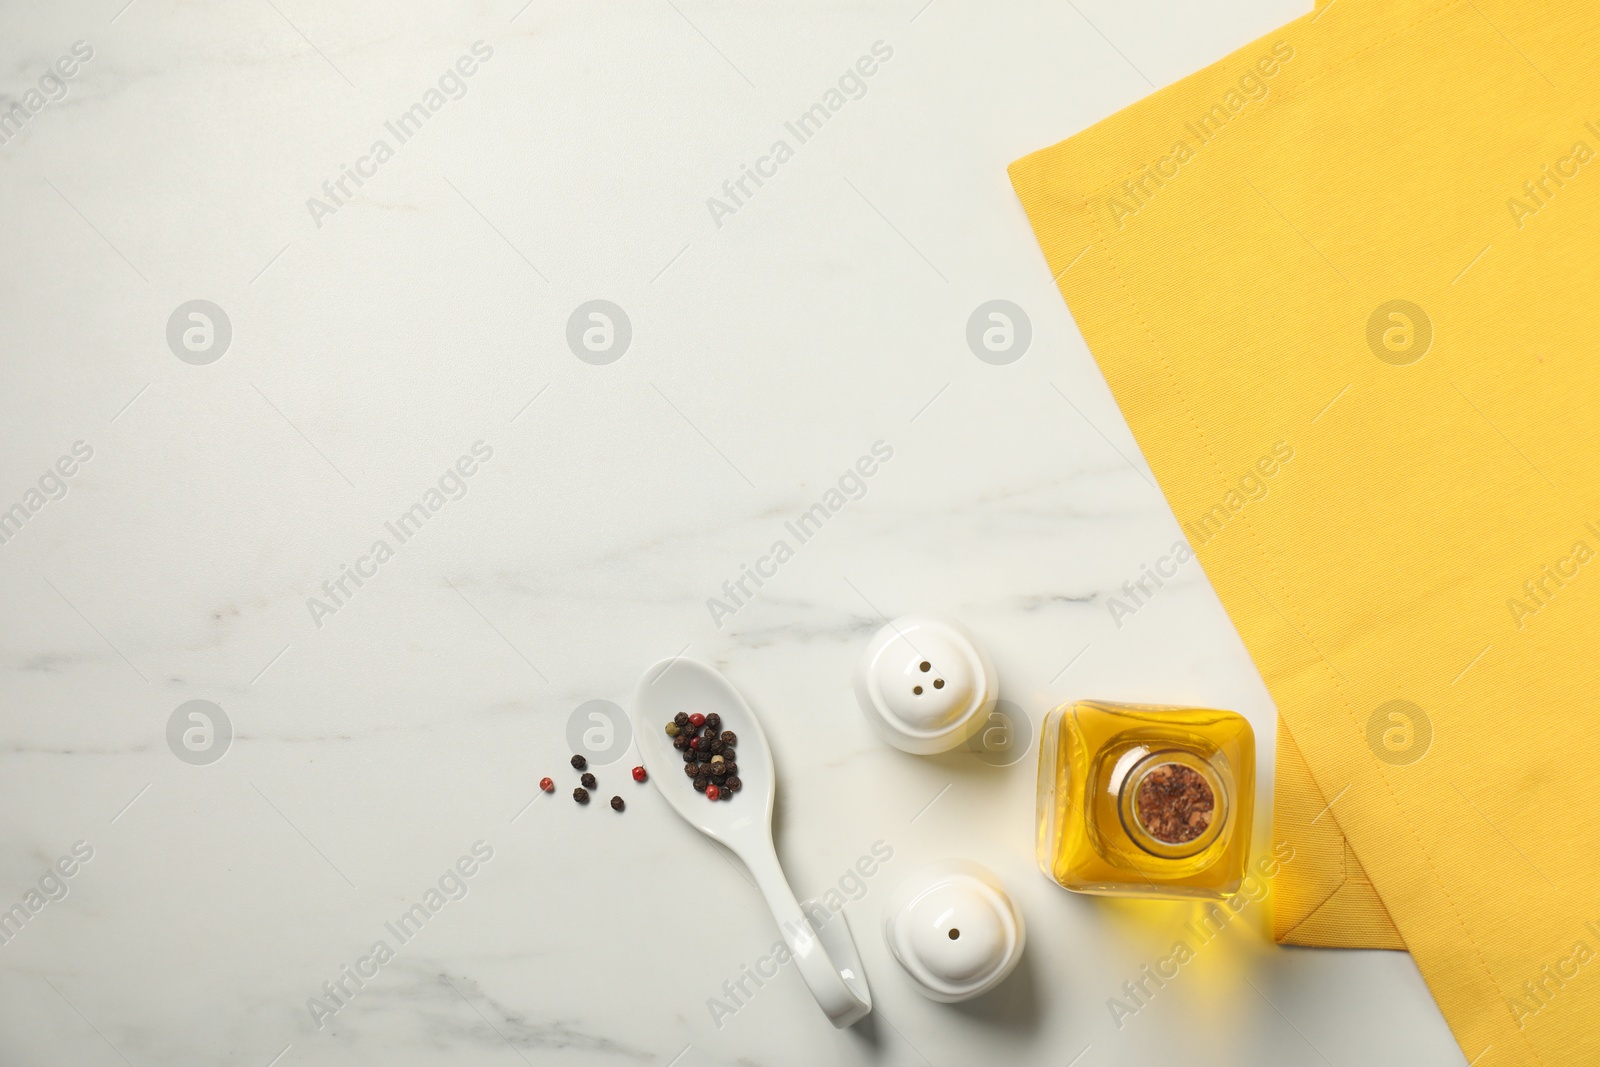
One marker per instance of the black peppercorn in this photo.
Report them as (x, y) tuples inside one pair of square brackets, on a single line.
[(707, 754), (587, 780), (581, 795), (616, 804), (579, 763)]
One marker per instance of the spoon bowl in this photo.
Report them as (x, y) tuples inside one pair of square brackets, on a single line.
[(684, 685), (825, 956)]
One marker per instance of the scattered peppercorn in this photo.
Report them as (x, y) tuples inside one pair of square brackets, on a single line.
[(581, 795), (587, 780), (616, 804), (547, 785), (691, 769), (733, 783), (638, 774), (682, 718), (702, 783), (697, 720), (729, 737), (680, 742), (672, 729), (713, 722), (732, 768), (579, 763), (712, 792)]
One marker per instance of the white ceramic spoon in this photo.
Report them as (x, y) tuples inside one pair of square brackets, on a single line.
[(826, 956)]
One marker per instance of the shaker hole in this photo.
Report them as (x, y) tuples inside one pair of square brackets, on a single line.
[(924, 666), (917, 689), (938, 683), (954, 933)]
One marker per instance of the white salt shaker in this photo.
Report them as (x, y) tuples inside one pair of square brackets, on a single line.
[(925, 684), (954, 929)]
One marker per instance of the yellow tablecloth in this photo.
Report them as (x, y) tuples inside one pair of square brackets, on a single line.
[(1368, 243)]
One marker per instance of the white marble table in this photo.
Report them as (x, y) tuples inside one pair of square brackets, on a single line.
[(375, 735)]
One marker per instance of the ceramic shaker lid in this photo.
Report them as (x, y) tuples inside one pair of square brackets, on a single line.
[(954, 929), (925, 684)]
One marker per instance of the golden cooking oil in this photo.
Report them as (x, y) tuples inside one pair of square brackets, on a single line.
[(1145, 800)]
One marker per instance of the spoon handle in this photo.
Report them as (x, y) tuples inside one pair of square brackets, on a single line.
[(835, 978)]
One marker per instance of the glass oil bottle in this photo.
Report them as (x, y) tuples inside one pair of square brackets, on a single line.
[(1145, 800)]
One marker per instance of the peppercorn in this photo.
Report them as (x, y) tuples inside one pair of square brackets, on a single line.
[(579, 763), (638, 774), (581, 795), (587, 780), (616, 804), (547, 785), (708, 756)]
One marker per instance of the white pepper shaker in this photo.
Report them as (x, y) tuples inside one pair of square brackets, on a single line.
[(925, 684), (954, 929)]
